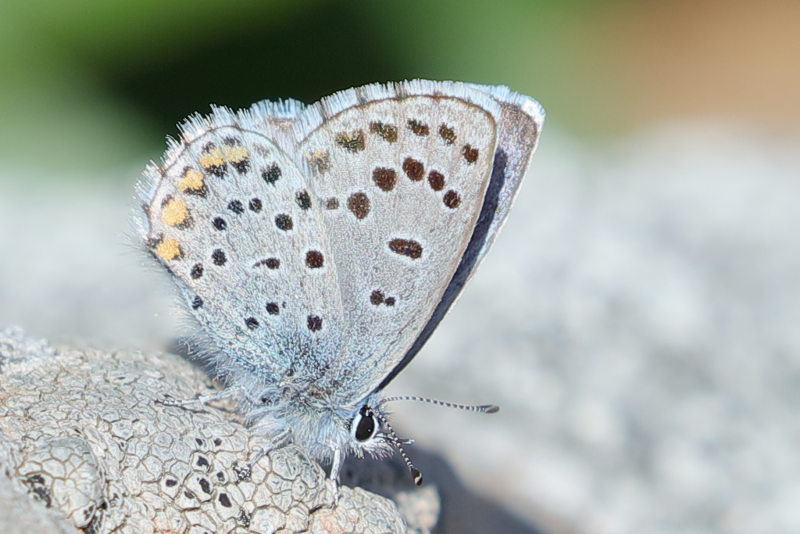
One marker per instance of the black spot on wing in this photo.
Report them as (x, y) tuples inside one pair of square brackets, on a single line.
[(468, 261)]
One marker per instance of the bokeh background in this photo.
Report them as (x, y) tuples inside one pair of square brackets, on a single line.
[(638, 320)]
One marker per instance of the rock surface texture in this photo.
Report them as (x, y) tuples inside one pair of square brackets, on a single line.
[(84, 446)]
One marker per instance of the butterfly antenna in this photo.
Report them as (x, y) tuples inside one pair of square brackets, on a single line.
[(397, 442), (480, 408)]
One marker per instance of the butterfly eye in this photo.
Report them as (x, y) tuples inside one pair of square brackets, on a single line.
[(364, 425)]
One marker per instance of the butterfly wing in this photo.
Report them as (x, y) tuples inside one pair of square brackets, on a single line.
[(403, 172), (229, 214), (344, 231), (519, 126)]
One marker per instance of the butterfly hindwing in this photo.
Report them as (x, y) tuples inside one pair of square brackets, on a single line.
[(230, 215)]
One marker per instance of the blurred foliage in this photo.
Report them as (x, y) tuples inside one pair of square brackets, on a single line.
[(91, 84)]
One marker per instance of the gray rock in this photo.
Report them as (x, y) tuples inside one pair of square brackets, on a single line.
[(85, 446)]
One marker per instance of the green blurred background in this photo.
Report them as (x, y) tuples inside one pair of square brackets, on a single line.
[(87, 85)]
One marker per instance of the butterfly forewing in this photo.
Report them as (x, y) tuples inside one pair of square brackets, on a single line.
[(519, 123), (401, 180), (232, 217)]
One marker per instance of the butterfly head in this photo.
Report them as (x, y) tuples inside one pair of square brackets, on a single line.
[(321, 428), (370, 428)]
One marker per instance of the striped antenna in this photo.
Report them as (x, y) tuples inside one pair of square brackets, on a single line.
[(397, 442), (480, 408)]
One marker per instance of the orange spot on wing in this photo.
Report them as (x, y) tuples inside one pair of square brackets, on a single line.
[(169, 249), (174, 212)]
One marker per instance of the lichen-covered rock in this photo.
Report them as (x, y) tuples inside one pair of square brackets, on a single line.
[(81, 435)]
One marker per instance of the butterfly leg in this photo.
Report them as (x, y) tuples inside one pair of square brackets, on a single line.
[(244, 471), (336, 466), (201, 400), (282, 438)]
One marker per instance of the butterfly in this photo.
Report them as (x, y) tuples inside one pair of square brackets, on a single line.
[(318, 247)]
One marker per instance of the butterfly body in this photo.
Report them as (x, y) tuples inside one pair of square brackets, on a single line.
[(319, 246)]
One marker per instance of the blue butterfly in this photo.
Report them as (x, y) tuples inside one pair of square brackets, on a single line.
[(319, 246)]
